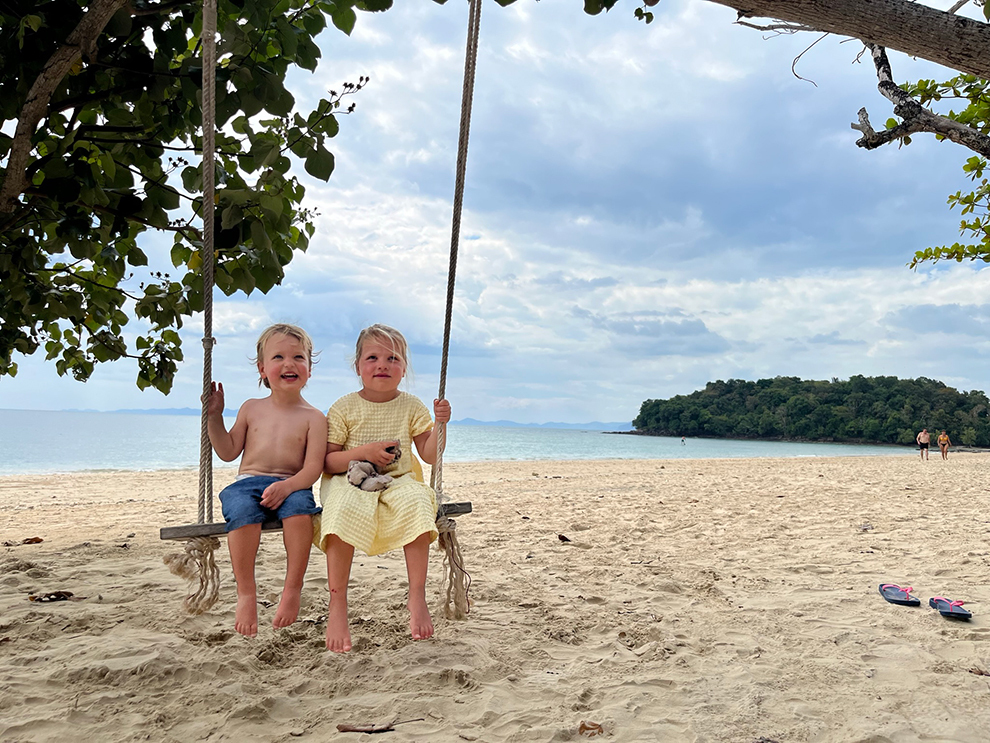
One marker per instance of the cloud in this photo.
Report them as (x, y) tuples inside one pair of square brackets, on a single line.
[(655, 334), (646, 209), (943, 319)]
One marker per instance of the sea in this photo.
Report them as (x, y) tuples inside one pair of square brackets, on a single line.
[(43, 442)]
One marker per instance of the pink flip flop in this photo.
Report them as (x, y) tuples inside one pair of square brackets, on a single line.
[(896, 594), (949, 608)]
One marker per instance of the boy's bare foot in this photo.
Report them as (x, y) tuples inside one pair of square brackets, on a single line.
[(246, 616), (288, 608), (420, 621), (338, 633)]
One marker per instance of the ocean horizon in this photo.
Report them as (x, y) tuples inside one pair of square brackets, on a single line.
[(231, 412), (50, 442)]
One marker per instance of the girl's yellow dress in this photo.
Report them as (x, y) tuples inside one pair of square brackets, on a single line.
[(388, 519)]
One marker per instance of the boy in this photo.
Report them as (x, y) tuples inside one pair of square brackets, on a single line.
[(283, 440)]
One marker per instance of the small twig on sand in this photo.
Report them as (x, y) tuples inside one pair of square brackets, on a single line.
[(387, 727)]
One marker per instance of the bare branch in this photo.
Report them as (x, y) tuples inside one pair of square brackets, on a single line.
[(779, 28), (798, 59), (916, 118)]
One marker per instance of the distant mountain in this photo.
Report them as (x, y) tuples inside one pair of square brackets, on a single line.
[(593, 426), (160, 411), (163, 411)]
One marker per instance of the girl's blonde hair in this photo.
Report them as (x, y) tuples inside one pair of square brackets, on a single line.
[(387, 336), (281, 328)]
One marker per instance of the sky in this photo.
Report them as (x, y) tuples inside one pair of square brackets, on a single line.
[(648, 208)]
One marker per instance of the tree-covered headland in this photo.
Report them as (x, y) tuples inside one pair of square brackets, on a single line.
[(882, 410)]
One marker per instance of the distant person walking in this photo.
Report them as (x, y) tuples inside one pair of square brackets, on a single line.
[(683, 441), (923, 439), (944, 444)]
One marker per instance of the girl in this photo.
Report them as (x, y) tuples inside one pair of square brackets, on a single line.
[(364, 425)]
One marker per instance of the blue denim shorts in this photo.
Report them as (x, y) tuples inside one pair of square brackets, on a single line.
[(241, 502)]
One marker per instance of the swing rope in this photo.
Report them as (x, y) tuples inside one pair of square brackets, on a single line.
[(456, 581), (196, 564)]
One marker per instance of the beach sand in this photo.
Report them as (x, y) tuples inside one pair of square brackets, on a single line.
[(698, 600)]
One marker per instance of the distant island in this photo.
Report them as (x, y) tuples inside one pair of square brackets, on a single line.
[(875, 410)]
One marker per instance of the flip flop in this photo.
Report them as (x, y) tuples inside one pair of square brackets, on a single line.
[(949, 608), (895, 594)]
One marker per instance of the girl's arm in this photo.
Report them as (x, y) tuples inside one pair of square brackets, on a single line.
[(337, 460), (426, 442)]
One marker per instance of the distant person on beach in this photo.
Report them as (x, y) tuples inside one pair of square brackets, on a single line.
[(923, 440), (683, 442), (281, 440), (378, 424), (944, 444)]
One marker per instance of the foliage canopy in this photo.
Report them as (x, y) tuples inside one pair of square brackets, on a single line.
[(116, 156), (881, 410), (974, 207)]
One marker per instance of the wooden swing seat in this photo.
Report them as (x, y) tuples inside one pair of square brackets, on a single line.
[(220, 529)]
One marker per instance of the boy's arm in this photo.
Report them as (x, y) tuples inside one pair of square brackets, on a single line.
[(426, 442), (228, 445)]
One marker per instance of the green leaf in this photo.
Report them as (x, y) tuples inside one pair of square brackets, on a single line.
[(344, 19), (320, 164), (119, 24), (273, 205), (232, 217), (259, 235)]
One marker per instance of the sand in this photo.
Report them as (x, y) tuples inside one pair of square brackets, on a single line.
[(698, 600)]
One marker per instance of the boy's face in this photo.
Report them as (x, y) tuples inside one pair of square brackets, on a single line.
[(285, 363)]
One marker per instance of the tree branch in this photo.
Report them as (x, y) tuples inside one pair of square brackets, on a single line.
[(917, 30), (81, 41), (916, 118), (162, 8)]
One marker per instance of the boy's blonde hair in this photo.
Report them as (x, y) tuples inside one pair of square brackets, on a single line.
[(281, 328), (387, 336)]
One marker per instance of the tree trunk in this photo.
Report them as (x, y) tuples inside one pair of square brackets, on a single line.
[(917, 30)]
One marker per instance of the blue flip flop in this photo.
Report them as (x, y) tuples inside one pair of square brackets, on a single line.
[(949, 608), (896, 594)]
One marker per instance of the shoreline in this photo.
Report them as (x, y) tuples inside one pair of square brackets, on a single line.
[(958, 448), (494, 462)]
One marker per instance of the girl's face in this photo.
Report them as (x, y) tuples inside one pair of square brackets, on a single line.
[(381, 369)]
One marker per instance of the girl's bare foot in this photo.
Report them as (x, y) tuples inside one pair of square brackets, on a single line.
[(338, 633), (420, 621), (288, 608), (246, 616)]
